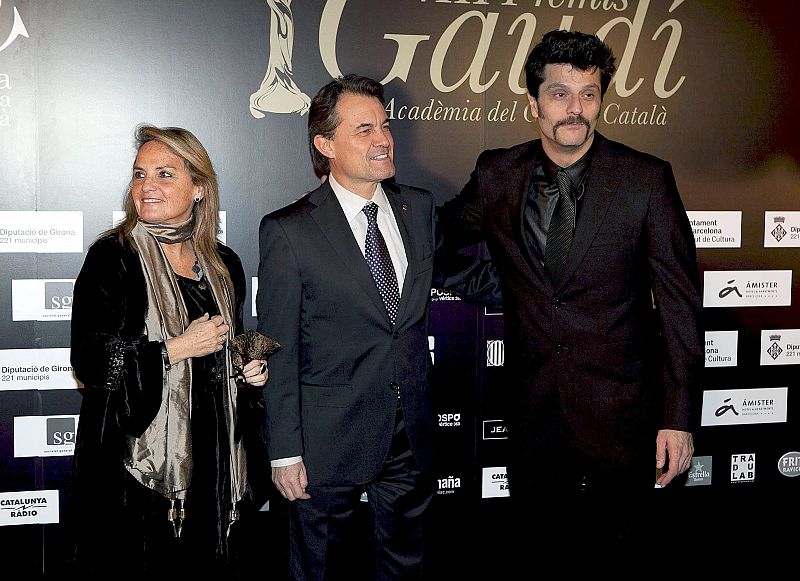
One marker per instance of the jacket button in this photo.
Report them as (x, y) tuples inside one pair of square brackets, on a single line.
[(560, 349), (395, 335)]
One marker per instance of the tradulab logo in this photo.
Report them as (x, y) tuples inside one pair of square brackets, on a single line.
[(747, 288), (41, 300), (495, 430), (44, 436), (29, 507), (743, 467), (494, 482), (448, 485), (780, 347), (700, 471), (789, 464), (495, 353), (449, 420), (724, 407)]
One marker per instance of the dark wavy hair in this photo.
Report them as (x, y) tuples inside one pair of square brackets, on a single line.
[(323, 118), (583, 51)]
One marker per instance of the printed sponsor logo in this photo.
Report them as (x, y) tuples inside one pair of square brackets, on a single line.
[(495, 353), (700, 471), (29, 507), (743, 468), (744, 406), (721, 348), (448, 485), (781, 229), (41, 300), (747, 288), (780, 347), (36, 369), (41, 232), (494, 482), (449, 420), (44, 435), (495, 430), (789, 464), (716, 229)]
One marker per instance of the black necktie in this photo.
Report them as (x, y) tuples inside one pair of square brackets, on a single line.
[(380, 263), (561, 228)]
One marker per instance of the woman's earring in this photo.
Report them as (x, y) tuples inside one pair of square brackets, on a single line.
[(197, 199)]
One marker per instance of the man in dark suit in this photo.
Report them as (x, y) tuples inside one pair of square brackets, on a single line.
[(348, 406), (601, 307)]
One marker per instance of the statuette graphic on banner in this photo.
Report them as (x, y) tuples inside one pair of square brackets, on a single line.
[(17, 29), (278, 92)]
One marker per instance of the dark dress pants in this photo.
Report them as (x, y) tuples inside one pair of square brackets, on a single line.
[(321, 528), (572, 515)]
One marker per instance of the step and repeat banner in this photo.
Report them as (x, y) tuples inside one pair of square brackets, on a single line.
[(708, 85)]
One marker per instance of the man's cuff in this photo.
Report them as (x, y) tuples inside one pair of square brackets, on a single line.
[(280, 462)]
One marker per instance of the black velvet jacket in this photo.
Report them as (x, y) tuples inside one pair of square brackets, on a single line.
[(121, 395)]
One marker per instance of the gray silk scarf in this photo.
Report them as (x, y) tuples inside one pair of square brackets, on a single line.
[(161, 458)]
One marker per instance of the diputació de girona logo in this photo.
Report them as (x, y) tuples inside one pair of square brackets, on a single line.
[(17, 29)]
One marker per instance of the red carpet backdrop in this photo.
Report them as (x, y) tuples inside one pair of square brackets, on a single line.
[(709, 85)]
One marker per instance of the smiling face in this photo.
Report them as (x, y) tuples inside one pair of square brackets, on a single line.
[(360, 151), (567, 110), (161, 186)]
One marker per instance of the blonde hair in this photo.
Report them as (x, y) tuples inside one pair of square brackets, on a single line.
[(185, 145)]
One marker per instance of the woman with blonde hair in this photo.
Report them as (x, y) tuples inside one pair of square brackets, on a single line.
[(167, 422)]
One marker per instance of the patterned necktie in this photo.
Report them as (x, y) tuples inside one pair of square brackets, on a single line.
[(380, 263), (562, 226)]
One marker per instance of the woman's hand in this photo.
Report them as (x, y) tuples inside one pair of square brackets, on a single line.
[(256, 372), (203, 336)]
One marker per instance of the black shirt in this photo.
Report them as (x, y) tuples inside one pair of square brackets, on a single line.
[(543, 195)]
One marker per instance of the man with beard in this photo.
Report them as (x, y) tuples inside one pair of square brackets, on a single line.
[(596, 261)]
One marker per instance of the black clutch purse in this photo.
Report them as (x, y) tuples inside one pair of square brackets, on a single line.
[(248, 346)]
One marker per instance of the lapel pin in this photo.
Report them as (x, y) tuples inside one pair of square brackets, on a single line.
[(404, 206)]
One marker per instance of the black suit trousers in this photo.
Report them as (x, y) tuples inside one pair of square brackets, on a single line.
[(323, 542)]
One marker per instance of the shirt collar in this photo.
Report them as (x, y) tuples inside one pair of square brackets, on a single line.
[(352, 204), (577, 171)]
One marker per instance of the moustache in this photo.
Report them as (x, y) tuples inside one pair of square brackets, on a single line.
[(572, 120)]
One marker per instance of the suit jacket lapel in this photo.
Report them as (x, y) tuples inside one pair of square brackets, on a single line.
[(601, 187), (329, 216), (519, 181)]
